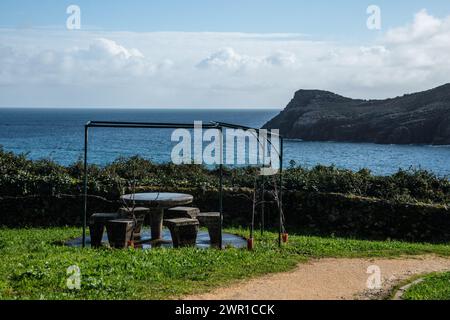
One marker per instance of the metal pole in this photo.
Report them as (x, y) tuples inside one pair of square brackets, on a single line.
[(86, 131), (252, 225), (280, 196), (263, 188), (221, 185), (262, 206)]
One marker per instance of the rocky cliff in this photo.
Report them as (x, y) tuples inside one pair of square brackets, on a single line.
[(419, 118)]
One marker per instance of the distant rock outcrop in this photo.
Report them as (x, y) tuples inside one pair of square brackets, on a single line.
[(419, 118)]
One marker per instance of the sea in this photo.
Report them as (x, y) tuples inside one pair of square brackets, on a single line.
[(58, 134)]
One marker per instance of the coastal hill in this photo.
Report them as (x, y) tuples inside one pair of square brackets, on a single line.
[(419, 118)]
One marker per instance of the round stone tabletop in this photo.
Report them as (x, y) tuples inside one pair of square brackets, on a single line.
[(159, 199)]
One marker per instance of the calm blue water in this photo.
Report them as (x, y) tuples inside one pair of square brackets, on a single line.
[(58, 134)]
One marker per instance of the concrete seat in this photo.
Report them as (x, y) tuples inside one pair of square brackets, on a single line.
[(139, 214), (211, 220), (97, 223), (181, 212), (183, 231), (120, 232)]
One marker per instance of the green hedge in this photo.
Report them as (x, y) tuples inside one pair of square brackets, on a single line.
[(410, 205), (49, 211), (362, 217), (20, 176)]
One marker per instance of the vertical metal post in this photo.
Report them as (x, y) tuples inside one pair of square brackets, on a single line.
[(221, 186), (252, 224), (262, 205), (263, 178), (280, 196), (86, 131)]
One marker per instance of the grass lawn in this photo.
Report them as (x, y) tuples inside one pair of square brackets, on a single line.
[(34, 264), (435, 286)]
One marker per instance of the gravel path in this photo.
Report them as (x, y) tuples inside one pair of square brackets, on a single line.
[(329, 279)]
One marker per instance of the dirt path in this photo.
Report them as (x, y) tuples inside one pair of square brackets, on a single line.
[(329, 279)]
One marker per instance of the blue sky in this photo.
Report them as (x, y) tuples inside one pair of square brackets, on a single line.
[(343, 19), (217, 53)]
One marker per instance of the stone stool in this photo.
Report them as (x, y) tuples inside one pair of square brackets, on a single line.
[(97, 223), (211, 220), (181, 212), (120, 231), (183, 231), (139, 214)]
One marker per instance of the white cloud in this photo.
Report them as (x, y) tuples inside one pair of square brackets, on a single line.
[(281, 58), (102, 48), (228, 58), (102, 61), (215, 69), (423, 27)]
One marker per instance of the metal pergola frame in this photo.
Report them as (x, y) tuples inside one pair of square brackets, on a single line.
[(160, 125)]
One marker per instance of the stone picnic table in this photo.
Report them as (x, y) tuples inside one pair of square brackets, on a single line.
[(157, 202)]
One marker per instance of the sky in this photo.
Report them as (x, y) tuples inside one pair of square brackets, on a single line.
[(217, 53)]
